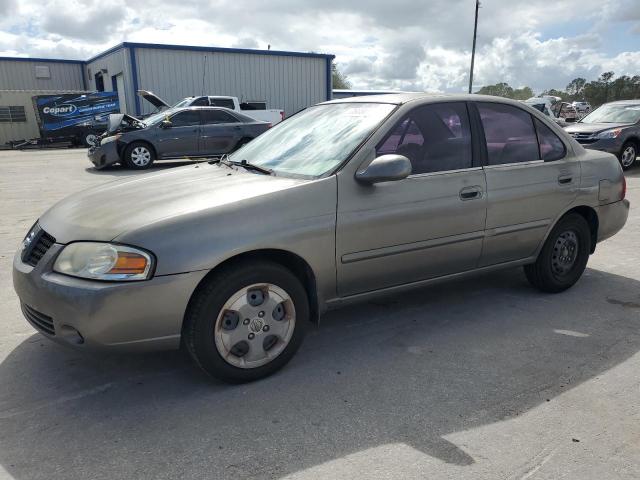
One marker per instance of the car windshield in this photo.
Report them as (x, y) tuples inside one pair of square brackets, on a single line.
[(314, 141), (157, 117), (614, 114)]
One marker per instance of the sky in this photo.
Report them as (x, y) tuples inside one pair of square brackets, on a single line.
[(394, 44)]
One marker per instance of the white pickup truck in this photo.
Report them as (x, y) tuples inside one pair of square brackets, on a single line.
[(254, 109)]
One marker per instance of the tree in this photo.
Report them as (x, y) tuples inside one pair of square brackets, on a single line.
[(576, 87), (501, 89), (523, 93), (606, 79), (340, 80)]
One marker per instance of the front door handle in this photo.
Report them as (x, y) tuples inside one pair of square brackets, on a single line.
[(565, 179), (470, 193)]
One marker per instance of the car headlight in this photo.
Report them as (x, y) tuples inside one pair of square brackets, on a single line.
[(104, 261), (613, 133), (112, 138)]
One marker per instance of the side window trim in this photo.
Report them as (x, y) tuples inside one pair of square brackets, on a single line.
[(478, 140), (484, 138)]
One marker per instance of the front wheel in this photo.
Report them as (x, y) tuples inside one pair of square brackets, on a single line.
[(563, 257), (628, 155), (138, 156), (89, 139), (247, 322)]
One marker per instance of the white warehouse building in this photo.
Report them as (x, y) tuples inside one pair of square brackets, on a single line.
[(289, 81)]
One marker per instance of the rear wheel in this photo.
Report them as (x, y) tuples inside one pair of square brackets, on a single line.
[(247, 322), (139, 156), (563, 257), (628, 155)]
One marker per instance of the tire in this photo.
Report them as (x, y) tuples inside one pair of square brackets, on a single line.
[(552, 272), (89, 139), (628, 154), (139, 156), (230, 344)]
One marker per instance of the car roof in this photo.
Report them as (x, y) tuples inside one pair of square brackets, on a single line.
[(401, 98)]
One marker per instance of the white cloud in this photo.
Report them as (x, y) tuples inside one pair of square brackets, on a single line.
[(379, 44)]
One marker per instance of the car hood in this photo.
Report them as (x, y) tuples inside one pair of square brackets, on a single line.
[(105, 212), (153, 99), (593, 127)]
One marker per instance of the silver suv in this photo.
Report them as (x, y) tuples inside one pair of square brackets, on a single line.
[(235, 259)]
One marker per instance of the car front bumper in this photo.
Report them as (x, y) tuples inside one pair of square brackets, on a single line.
[(609, 145), (104, 155), (128, 316)]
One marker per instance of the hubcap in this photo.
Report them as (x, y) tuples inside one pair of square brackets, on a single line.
[(140, 156), (255, 325), (628, 156), (565, 252), (91, 139)]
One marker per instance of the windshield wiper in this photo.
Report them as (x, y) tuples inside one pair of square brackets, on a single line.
[(224, 160), (252, 166)]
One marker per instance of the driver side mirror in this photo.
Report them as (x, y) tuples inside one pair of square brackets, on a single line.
[(385, 168), (166, 124)]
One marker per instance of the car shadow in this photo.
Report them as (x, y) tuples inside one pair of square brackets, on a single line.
[(411, 368), (118, 171)]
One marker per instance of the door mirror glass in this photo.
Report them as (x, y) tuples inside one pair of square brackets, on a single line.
[(166, 124), (385, 168)]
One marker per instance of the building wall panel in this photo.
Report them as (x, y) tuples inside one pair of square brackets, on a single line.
[(20, 74), (288, 82)]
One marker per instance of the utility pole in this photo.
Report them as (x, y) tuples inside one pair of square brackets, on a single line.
[(473, 49)]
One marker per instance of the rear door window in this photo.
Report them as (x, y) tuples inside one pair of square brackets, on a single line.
[(509, 133), (551, 147)]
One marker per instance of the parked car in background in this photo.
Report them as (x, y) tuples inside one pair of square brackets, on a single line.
[(175, 133), (613, 127), (345, 201), (546, 106), (566, 111), (582, 107), (255, 109)]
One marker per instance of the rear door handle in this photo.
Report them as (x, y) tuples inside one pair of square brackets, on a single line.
[(470, 193), (565, 179)]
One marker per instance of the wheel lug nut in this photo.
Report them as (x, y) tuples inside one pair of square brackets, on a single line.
[(265, 328), (251, 336), (261, 314), (246, 321)]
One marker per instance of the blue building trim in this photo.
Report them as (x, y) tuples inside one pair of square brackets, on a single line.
[(134, 75), (329, 78), (48, 60), (189, 48)]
